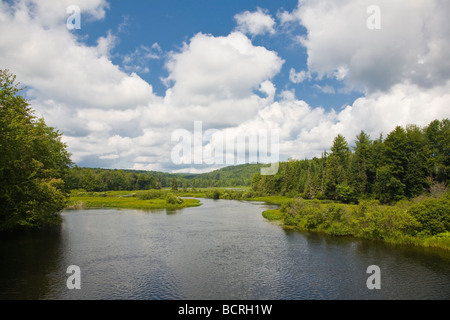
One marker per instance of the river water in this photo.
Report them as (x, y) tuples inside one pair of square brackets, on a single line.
[(221, 250)]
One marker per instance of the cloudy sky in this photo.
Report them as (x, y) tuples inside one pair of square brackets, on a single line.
[(134, 72)]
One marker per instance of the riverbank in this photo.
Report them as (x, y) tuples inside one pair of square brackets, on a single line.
[(419, 222), (406, 223), (423, 221)]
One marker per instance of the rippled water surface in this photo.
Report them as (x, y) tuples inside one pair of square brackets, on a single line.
[(220, 250)]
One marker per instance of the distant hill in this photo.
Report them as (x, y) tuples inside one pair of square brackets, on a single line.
[(231, 176), (115, 179)]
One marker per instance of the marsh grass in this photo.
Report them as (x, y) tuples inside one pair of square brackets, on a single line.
[(367, 220), (128, 200), (273, 215)]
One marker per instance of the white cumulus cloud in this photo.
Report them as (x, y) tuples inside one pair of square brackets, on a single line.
[(113, 118), (255, 23), (411, 45)]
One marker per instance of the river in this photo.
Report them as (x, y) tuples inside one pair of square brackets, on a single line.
[(221, 250)]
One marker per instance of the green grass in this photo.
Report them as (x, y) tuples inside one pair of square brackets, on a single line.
[(273, 215), (123, 199)]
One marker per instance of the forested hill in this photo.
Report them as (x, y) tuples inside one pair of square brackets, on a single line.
[(91, 179), (409, 162)]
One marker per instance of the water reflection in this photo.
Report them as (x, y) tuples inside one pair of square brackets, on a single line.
[(29, 264)]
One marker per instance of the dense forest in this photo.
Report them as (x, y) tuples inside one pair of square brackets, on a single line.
[(99, 180), (409, 162)]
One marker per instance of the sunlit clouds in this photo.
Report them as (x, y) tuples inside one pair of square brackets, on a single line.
[(111, 117)]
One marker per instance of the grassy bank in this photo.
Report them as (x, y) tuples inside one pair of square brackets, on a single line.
[(423, 222), (273, 215), (129, 200)]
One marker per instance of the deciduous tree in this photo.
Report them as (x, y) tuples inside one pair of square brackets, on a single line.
[(33, 163)]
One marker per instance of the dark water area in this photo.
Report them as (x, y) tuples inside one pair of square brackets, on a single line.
[(222, 250)]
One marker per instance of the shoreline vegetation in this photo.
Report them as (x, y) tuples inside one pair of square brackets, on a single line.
[(143, 200), (422, 221), (405, 223)]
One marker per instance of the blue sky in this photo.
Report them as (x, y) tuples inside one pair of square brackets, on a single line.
[(170, 23), (137, 71)]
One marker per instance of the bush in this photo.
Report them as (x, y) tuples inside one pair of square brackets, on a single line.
[(173, 200), (216, 194), (340, 230), (310, 218), (433, 215), (150, 194), (386, 222), (346, 193)]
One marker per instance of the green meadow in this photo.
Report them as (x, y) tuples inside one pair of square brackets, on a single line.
[(128, 200)]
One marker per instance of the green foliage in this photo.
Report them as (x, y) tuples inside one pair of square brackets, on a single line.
[(340, 149), (411, 161), (216, 194), (367, 220), (33, 164), (433, 215), (174, 184), (406, 153), (150, 195), (144, 200), (110, 180), (362, 168), (345, 193), (437, 136), (379, 222), (273, 215), (424, 222), (172, 199), (387, 187), (98, 180)]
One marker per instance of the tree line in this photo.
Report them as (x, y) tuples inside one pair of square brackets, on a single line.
[(110, 180), (99, 180), (409, 162)]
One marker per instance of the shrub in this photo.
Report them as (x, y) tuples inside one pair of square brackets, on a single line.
[(386, 222), (311, 218), (150, 194), (433, 215), (346, 193), (173, 200), (216, 194), (340, 229)]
